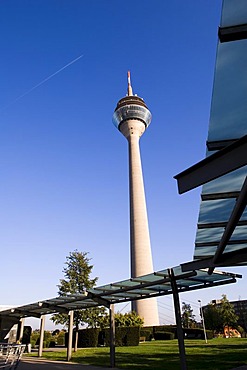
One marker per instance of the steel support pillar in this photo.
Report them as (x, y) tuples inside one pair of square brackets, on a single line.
[(70, 335), (112, 336), (41, 338), (20, 330), (178, 320)]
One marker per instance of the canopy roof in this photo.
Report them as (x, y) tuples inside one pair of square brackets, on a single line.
[(147, 286)]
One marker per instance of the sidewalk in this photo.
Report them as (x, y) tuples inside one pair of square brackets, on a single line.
[(31, 363)]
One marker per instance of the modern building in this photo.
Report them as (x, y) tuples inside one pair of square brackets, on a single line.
[(132, 117)]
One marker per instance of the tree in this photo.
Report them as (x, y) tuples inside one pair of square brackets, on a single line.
[(212, 318), (126, 319), (187, 317), (76, 281), (221, 315), (229, 317)]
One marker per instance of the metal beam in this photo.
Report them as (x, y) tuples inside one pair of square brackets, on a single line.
[(227, 259), (218, 164), (23, 313), (112, 336), (237, 212), (53, 307), (180, 333), (232, 33), (99, 300)]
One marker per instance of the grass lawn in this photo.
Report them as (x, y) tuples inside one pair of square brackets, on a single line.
[(217, 354)]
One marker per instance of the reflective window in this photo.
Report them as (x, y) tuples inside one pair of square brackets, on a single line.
[(233, 12), (229, 102), (228, 121)]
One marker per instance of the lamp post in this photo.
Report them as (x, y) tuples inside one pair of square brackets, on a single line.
[(203, 322)]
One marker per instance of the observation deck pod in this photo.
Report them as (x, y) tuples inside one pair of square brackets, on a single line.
[(221, 238), (131, 107)]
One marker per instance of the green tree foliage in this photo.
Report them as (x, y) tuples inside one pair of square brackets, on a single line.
[(219, 316), (77, 280), (213, 319), (122, 320), (187, 317), (229, 317)]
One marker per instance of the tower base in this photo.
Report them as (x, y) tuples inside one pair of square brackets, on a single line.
[(147, 310)]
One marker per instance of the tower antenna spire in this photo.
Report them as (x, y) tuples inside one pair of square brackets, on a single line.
[(130, 91)]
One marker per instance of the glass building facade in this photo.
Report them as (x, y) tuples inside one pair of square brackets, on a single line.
[(228, 122)]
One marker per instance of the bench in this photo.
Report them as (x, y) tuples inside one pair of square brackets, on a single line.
[(10, 355)]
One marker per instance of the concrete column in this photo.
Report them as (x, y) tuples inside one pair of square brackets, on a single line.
[(41, 338), (70, 335)]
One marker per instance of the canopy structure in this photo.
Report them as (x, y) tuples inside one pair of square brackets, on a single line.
[(147, 286), (221, 238), (169, 281)]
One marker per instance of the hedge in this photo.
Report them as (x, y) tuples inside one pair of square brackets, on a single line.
[(125, 336), (146, 333), (86, 338), (196, 333), (190, 333), (164, 335)]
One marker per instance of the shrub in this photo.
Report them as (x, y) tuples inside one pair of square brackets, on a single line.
[(209, 334), (61, 338), (164, 335), (125, 336), (88, 337), (33, 343), (195, 333), (147, 333), (35, 338)]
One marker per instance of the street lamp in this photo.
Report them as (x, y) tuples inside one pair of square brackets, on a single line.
[(203, 322)]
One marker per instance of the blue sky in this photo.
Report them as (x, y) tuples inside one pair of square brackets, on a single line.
[(64, 166)]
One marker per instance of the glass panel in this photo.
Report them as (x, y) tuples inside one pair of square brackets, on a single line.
[(233, 12), (212, 211), (229, 183), (204, 252), (229, 108), (215, 234)]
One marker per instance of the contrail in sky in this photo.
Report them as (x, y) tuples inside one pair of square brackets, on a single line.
[(43, 81)]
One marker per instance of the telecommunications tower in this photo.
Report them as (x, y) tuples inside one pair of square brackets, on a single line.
[(132, 117)]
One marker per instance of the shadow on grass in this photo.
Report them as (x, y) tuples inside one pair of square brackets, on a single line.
[(216, 355), (222, 357)]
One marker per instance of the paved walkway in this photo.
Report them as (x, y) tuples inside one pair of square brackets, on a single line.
[(31, 363)]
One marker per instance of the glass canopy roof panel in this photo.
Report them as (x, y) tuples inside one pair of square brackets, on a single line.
[(232, 14), (160, 288), (127, 293)]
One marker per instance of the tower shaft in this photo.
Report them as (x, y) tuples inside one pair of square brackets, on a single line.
[(132, 117), (140, 248)]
